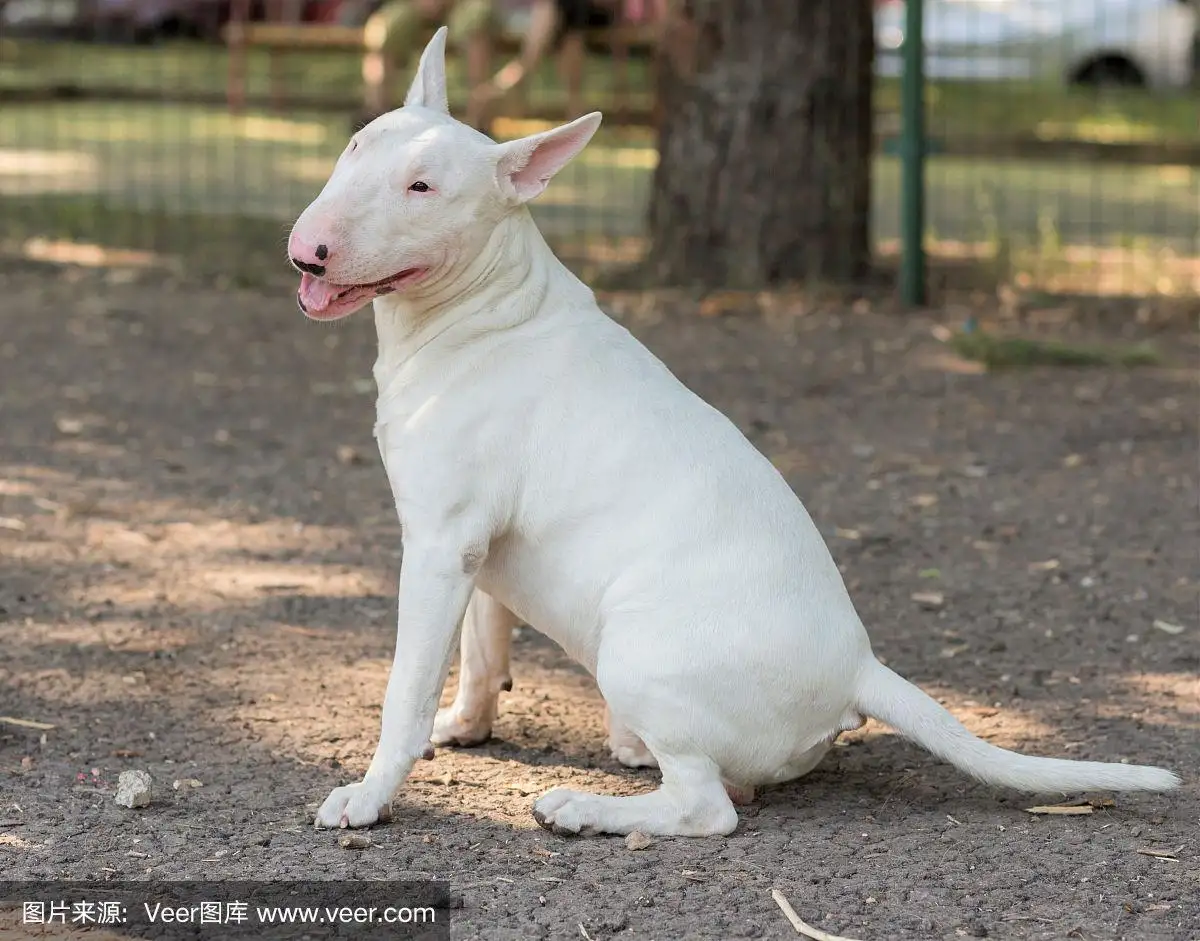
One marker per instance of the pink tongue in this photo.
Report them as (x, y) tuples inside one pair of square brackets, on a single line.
[(316, 294)]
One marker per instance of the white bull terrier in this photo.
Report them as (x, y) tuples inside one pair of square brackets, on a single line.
[(546, 467)]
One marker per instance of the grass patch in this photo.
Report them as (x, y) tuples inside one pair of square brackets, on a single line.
[(130, 175), (1049, 111), (243, 252), (955, 108), (1012, 352), (191, 161), (234, 250)]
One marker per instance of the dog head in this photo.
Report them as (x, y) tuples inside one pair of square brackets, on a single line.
[(415, 196)]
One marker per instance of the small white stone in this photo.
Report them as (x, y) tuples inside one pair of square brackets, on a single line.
[(637, 840), (133, 789)]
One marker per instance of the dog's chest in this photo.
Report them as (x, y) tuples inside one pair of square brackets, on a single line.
[(408, 410), (433, 446), (400, 451)]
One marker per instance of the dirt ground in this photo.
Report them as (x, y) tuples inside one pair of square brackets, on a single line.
[(199, 560)]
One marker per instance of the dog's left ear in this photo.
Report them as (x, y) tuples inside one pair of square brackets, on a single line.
[(428, 89), (525, 166)]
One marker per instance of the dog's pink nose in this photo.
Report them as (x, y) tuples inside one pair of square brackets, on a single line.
[(308, 256)]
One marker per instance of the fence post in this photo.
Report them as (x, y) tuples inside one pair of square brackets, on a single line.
[(912, 157)]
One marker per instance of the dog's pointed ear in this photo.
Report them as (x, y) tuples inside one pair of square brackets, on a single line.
[(525, 166), (428, 88)]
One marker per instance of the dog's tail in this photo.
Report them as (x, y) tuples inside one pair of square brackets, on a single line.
[(890, 698)]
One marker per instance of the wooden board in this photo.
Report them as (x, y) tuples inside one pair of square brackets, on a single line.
[(318, 36)]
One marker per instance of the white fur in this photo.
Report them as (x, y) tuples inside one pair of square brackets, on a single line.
[(547, 467)]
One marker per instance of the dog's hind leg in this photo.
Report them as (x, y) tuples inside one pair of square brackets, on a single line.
[(691, 802), (483, 673), (624, 744), (632, 752)]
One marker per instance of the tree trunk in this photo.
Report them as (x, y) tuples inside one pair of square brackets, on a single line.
[(764, 143)]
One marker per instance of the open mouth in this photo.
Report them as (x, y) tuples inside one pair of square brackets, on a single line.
[(324, 300)]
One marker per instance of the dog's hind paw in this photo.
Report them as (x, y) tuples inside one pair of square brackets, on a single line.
[(634, 755), (626, 746), (451, 728), (355, 805), (679, 812)]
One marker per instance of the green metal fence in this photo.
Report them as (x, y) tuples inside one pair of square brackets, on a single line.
[(1052, 142), (1060, 149)]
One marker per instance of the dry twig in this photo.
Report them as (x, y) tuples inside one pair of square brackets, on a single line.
[(1061, 810), (25, 723), (1158, 854), (801, 926)]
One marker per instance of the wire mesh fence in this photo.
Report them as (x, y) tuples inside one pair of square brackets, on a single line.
[(1063, 135)]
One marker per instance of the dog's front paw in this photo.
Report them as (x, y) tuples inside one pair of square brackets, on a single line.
[(568, 813), (355, 805), (452, 727)]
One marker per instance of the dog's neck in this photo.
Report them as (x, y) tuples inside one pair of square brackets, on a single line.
[(508, 282)]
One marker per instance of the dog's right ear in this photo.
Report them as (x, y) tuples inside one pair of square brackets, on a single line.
[(428, 89)]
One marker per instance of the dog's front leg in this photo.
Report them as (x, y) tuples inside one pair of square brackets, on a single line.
[(435, 585)]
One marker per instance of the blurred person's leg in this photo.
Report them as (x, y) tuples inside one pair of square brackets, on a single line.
[(675, 47), (676, 35), (1196, 46), (544, 27), (572, 58), (290, 12), (392, 34), (473, 26), (578, 16)]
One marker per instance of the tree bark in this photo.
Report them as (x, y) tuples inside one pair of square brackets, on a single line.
[(765, 143)]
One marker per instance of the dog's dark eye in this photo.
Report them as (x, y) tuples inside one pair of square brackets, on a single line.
[(420, 187)]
